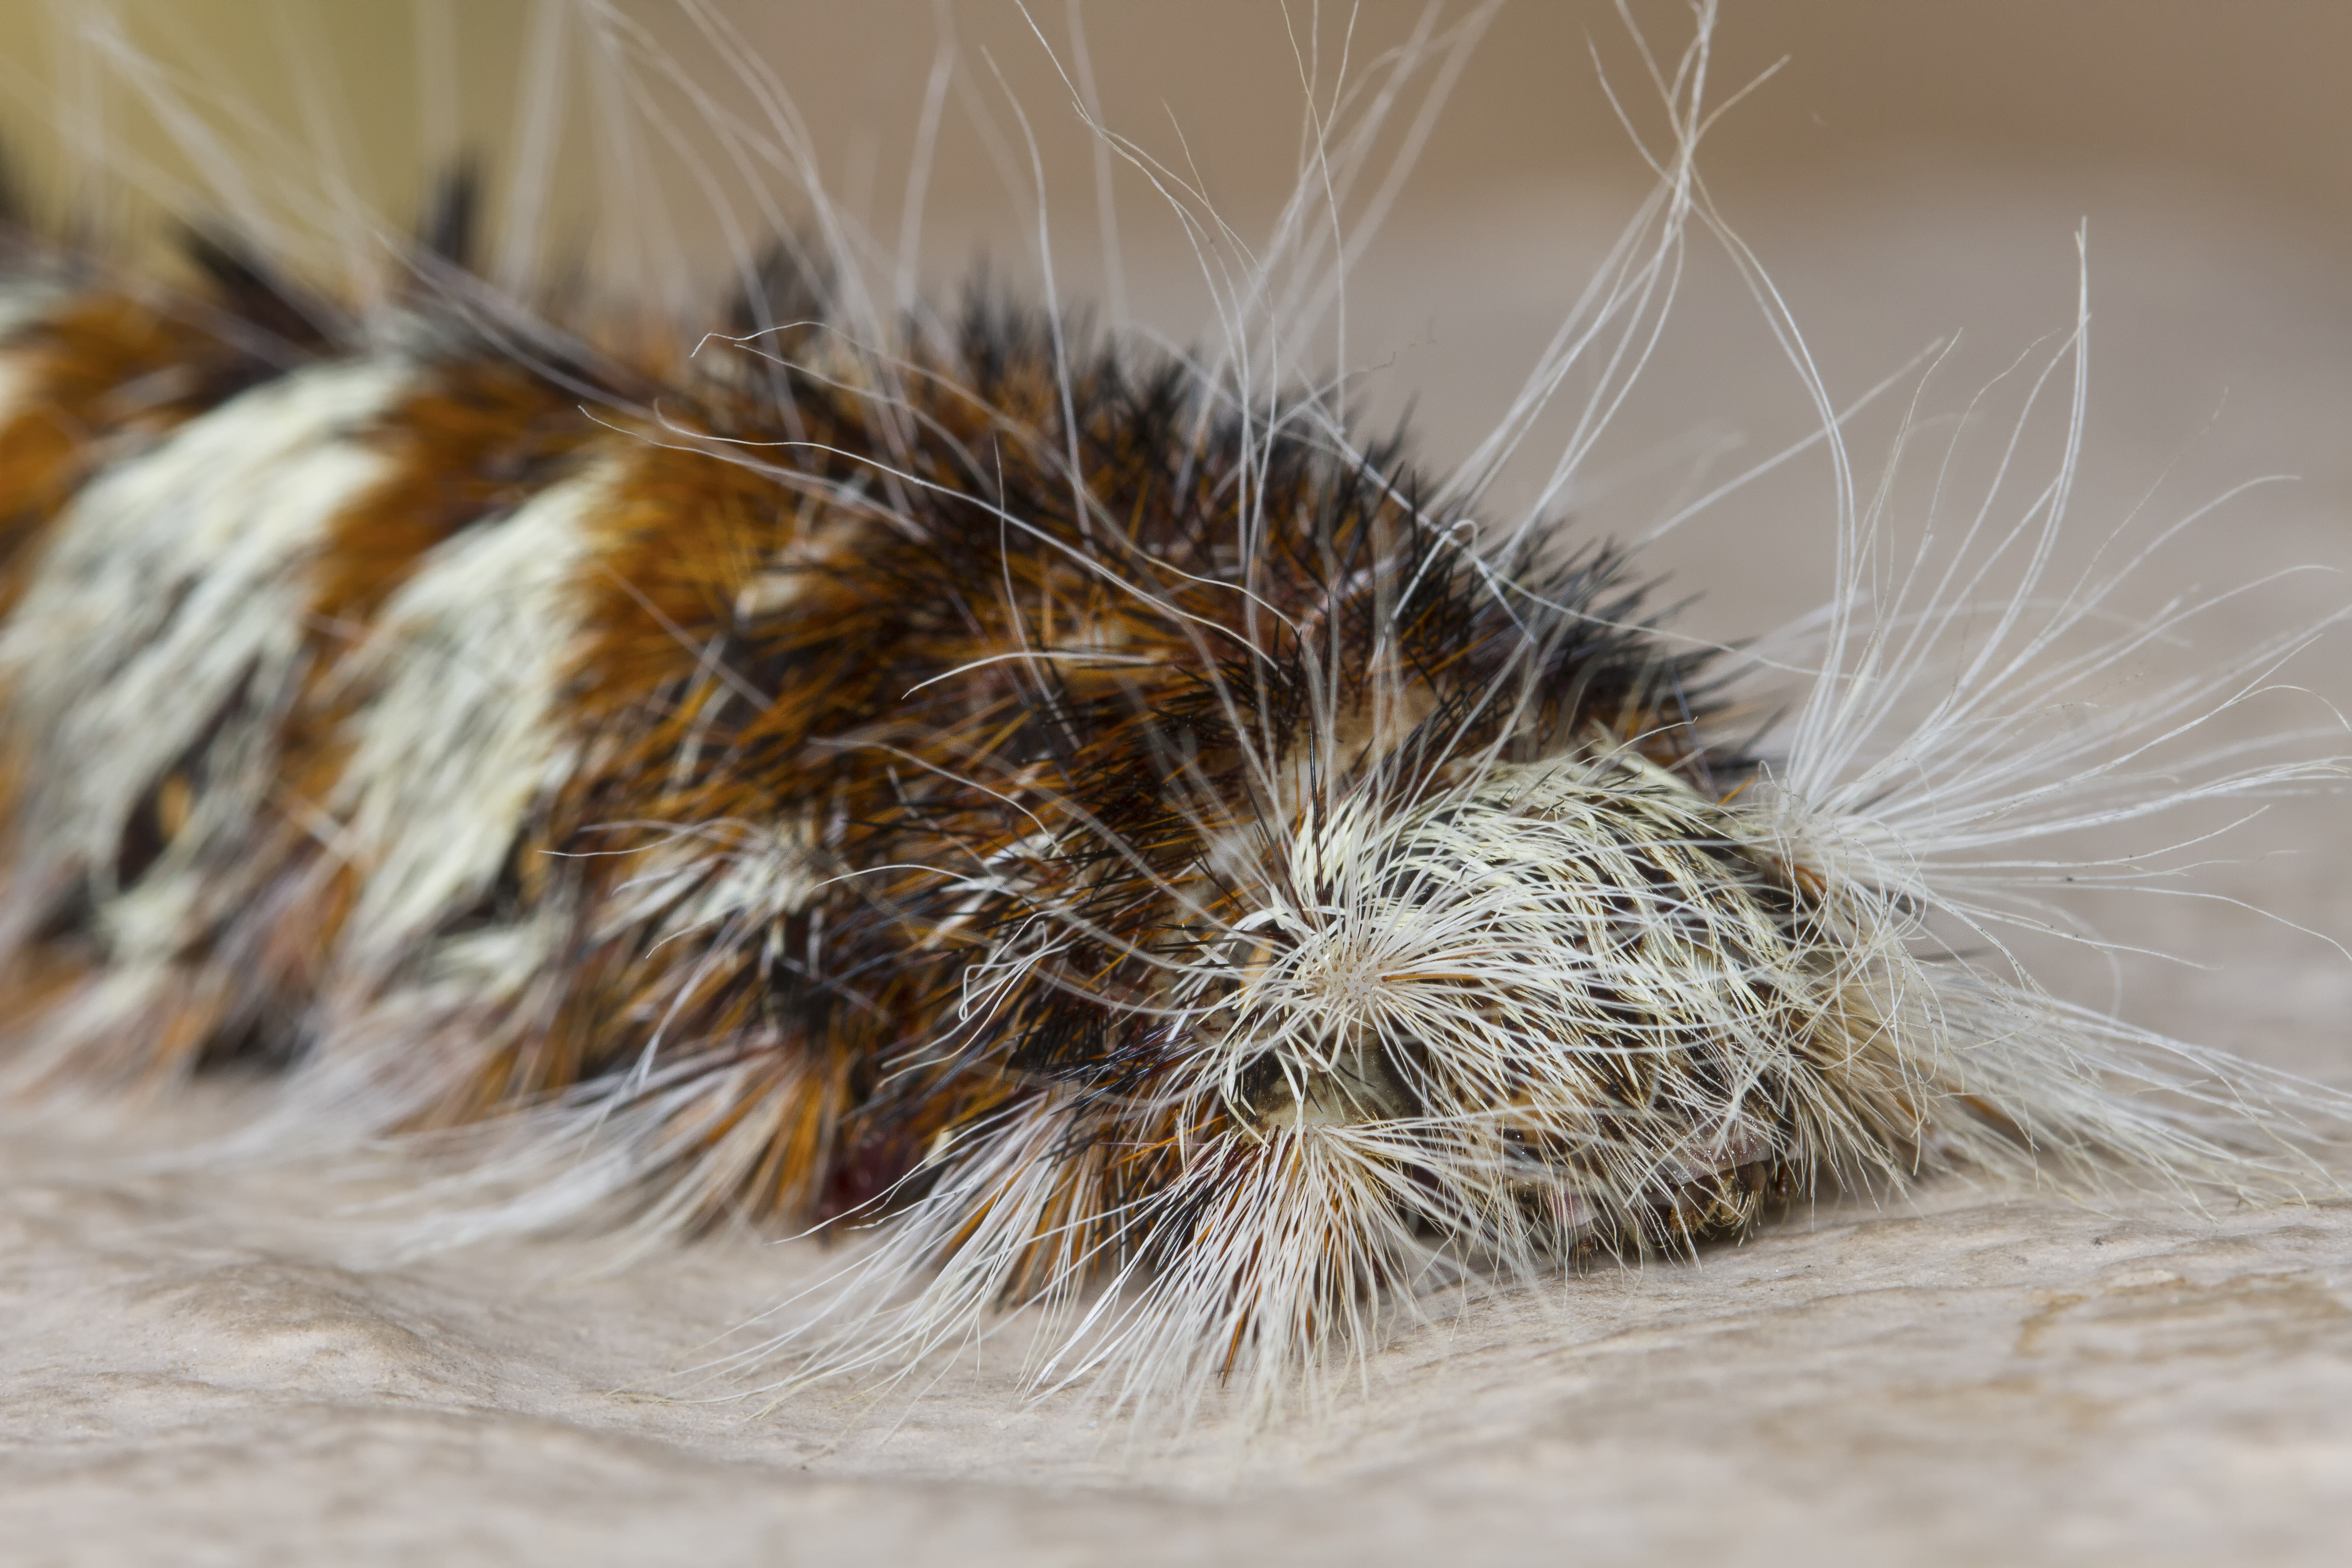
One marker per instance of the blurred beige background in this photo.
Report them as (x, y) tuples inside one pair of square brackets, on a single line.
[(2012, 1378), (2244, 98)]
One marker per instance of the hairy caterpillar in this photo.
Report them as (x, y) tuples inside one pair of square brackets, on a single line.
[(1076, 808)]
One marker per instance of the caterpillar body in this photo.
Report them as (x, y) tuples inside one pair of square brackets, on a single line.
[(1068, 813)]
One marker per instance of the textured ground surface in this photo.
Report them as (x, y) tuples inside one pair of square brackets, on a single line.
[(1976, 1379)]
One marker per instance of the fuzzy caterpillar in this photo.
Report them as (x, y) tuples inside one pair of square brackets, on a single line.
[(1072, 808)]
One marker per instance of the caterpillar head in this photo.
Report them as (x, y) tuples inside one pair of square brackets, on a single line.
[(1573, 1003)]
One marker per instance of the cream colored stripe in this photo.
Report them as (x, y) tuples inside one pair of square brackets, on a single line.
[(171, 609)]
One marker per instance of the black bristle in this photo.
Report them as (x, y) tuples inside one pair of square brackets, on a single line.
[(450, 226), (789, 287), (252, 292)]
